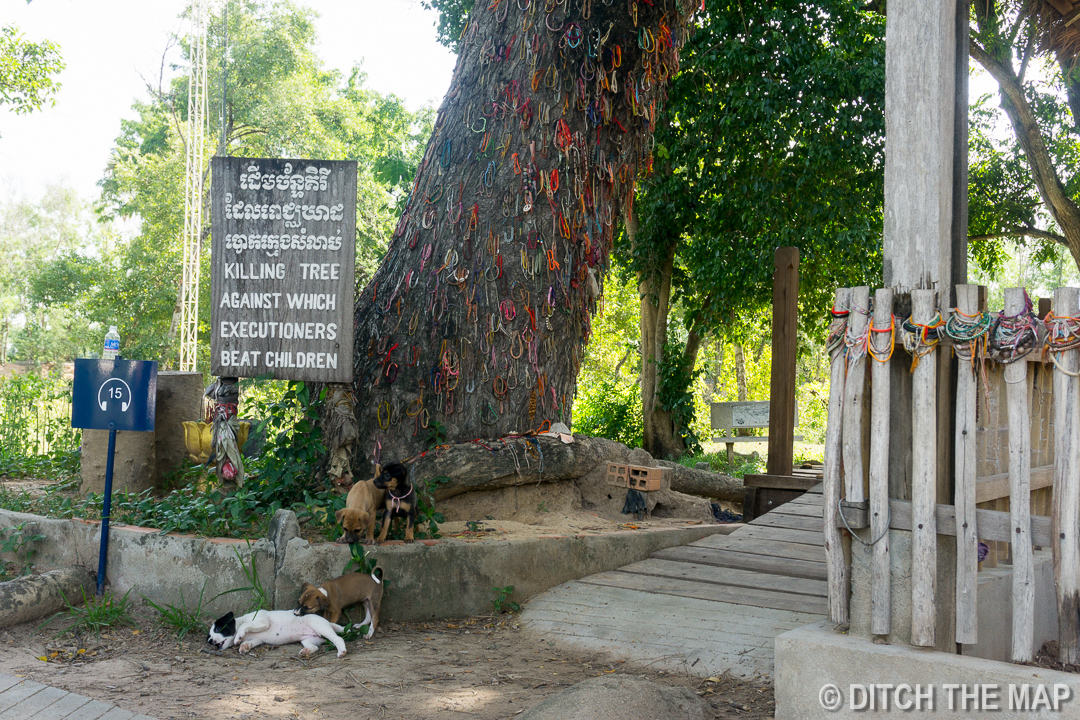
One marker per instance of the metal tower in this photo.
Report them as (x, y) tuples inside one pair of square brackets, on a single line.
[(193, 190)]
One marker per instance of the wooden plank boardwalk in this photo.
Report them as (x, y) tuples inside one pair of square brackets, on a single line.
[(712, 606), (22, 699)]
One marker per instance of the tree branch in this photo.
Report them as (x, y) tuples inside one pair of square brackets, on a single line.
[(1015, 103), (1015, 231)]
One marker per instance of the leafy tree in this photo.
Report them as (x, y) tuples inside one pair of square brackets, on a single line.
[(775, 136), (280, 102), (26, 71), (1030, 52), (36, 237)]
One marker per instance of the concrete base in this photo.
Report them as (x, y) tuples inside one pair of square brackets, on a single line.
[(900, 570), (428, 580), (995, 609), (819, 670)]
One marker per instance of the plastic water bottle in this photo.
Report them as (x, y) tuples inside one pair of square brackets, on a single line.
[(112, 344)]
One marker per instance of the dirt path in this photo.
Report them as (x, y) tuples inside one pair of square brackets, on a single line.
[(474, 668)]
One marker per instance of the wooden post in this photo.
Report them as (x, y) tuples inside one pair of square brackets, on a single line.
[(881, 583), (784, 347), (835, 560), (1023, 586), (924, 483), (1065, 516), (967, 536), (855, 400)]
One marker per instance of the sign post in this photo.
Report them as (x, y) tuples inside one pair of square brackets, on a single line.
[(113, 395), (283, 244)]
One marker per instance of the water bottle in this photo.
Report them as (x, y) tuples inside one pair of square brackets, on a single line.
[(112, 344)]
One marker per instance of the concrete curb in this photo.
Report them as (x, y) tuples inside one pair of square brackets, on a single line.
[(428, 580)]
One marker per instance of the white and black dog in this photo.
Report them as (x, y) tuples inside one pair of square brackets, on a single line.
[(274, 627)]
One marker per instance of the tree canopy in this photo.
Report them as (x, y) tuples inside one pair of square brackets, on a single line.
[(279, 102), (1025, 186), (27, 71)]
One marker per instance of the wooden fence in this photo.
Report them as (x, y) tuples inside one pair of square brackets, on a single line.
[(1015, 398)]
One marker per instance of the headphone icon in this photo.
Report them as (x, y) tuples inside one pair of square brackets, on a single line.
[(116, 392)]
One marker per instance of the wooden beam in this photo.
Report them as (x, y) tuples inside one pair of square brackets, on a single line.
[(966, 491), (855, 400), (1066, 509), (780, 482), (1017, 387), (924, 460), (835, 559), (996, 487), (880, 407), (993, 524), (785, 330)]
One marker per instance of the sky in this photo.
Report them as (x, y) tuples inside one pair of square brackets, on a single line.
[(113, 48)]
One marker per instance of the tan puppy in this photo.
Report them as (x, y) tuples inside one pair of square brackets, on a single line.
[(330, 598), (361, 506)]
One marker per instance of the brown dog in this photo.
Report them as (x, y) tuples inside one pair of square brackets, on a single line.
[(330, 598), (361, 506)]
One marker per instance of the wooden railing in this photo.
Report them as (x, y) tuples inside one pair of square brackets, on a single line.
[(1007, 360)]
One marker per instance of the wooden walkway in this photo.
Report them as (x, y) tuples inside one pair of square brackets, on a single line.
[(712, 606), (27, 700)]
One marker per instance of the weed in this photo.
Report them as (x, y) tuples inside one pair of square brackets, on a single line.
[(474, 525), (96, 613), (17, 541), (178, 617), (436, 435), (542, 507), (361, 562), (502, 601), (259, 600)]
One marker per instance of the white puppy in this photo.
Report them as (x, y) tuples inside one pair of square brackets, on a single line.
[(274, 627)]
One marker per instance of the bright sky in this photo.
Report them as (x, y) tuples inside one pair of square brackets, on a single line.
[(114, 47)]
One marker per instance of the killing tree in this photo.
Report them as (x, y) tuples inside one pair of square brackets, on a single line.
[(475, 323)]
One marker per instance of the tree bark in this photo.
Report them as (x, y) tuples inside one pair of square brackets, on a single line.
[(475, 323), (654, 288), (517, 461)]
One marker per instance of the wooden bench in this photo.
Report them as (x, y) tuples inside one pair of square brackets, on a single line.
[(732, 416)]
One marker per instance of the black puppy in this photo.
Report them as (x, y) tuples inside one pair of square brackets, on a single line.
[(400, 498)]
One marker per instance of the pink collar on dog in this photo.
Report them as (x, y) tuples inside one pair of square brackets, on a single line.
[(395, 501)]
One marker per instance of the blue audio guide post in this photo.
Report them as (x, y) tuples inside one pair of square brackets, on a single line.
[(113, 395)]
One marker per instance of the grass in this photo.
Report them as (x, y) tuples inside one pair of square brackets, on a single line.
[(750, 462), (178, 617), (97, 614)]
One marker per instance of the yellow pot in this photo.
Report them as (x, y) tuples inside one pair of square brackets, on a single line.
[(198, 439)]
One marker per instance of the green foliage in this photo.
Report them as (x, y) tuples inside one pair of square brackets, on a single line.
[(502, 602), (675, 378), (26, 71), (775, 136), (361, 561), (609, 409), (453, 16), (36, 437), (178, 617), (284, 471), (280, 102), (427, 517), (96, 614), (17, 551)]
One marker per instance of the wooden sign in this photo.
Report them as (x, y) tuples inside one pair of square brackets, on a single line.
[(283, 254)]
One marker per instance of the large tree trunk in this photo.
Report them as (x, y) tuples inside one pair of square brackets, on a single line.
[(654, 289), (476, 320)]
